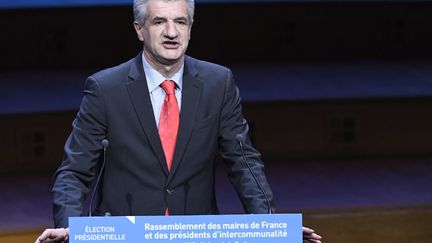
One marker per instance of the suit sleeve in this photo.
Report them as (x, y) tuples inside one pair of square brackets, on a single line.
[(232, 123), (81, 155)]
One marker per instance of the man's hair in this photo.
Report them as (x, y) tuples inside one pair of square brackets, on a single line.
[(140, 9)]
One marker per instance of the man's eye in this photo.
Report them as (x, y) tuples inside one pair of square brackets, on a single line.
[(159, 22), (181, 22)]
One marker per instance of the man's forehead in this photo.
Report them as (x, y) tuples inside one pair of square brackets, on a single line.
[(167, 9)]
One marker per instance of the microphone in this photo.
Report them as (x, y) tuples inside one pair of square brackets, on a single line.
[(240, 139), (105, 144)]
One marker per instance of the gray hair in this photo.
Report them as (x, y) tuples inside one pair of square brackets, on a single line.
[(140, 9)]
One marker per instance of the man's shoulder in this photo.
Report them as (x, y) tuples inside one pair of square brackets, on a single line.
[(115, 72), (205, 66)]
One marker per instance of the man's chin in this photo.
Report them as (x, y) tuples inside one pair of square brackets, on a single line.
[(169, 61)]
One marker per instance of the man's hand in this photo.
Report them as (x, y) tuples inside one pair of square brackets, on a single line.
[(53, 235), (309, 236)]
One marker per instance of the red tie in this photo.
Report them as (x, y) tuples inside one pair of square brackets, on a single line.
[(169, 122)]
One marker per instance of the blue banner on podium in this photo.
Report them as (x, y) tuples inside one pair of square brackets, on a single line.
[(241, 228)]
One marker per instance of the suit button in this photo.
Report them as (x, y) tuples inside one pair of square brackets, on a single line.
[(170, 191)]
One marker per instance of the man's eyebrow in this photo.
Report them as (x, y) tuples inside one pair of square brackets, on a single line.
[(181, 18), (157, 18), (164, 18)]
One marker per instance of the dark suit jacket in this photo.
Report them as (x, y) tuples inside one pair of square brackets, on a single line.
[(136, 181)]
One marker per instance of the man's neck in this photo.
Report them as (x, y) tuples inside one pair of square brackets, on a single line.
[(165, 69)]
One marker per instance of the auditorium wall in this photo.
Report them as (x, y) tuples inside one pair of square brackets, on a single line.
[(90, 38), (341, 129)]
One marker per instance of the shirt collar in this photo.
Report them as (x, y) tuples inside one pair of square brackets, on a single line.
[(154, 78)]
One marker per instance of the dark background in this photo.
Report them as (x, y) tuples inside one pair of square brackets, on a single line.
[(338, 95), (350, 80), (95, 37)]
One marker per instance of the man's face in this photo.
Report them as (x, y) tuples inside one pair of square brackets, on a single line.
[(166, 31)]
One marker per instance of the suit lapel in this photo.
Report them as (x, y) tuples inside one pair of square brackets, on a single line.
[(191, 93), (140, 98)]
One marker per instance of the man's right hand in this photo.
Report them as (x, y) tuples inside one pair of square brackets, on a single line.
[(53, 235)]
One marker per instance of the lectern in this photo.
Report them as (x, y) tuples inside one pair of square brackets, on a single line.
[(234, 228)]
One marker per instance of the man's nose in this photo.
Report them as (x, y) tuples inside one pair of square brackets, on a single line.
[(171, 30)]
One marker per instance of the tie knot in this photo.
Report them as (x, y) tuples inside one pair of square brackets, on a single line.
[(168, 86)]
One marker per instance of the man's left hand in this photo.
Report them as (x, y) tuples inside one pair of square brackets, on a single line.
[(309, 236)]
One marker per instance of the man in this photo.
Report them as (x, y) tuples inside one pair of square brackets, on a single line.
[(165, 115)]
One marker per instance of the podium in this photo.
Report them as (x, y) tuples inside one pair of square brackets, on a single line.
[(234, 228)]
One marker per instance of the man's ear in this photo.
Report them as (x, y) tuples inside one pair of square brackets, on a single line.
[(190, 30), (138, 29)]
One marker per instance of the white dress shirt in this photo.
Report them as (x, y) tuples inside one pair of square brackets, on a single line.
[(157, 93)]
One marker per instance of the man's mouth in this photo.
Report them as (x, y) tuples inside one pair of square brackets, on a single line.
[(171, 44)]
